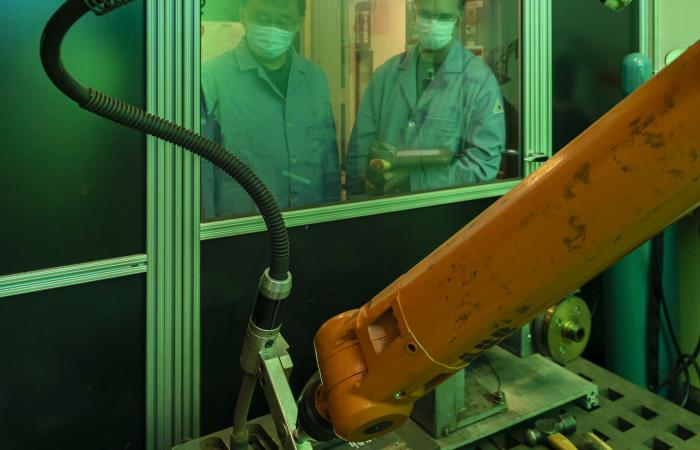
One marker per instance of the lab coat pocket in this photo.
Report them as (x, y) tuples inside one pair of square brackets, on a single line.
[(438, 132)]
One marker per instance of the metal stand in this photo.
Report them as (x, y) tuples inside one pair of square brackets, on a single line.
[(532, 386), (466, 398), (275, 368)]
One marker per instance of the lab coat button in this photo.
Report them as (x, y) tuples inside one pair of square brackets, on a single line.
[(289, 124), (294, 160), (411, 124)]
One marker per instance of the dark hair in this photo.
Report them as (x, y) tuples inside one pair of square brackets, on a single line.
[(300, 3)]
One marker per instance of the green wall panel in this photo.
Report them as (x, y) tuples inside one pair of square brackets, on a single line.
[(73, 367), (72, 185), (337, 266)]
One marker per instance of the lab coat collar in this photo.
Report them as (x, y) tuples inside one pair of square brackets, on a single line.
[(407, 76), (454, 64), (246, 61)]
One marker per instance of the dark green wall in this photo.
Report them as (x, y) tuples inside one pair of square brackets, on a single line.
[(336, 266), (73, 367), (72, 189)]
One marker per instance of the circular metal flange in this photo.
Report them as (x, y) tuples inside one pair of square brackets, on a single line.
[(564, 329), (275, 289)]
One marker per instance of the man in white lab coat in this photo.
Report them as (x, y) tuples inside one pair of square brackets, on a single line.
[(271, 108), (437, 95)]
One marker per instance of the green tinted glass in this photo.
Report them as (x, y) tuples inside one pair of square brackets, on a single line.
[(72, 185)]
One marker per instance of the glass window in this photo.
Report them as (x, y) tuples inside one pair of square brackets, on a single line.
[(344, 100)]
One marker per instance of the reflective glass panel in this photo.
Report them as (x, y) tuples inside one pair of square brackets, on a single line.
[(344, 100)]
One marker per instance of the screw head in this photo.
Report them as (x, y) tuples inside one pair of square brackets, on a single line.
[(499, 397), (398, 395)]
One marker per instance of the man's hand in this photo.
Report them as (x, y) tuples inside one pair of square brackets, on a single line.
[(396, 181), (386, 182), (382, 174)]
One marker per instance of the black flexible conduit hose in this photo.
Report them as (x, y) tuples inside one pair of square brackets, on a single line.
[(132, 117)]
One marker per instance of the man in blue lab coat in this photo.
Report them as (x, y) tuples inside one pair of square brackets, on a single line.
[(271, 108), (437, 95)]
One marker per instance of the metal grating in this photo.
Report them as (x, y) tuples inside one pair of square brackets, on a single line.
[(628, 418)]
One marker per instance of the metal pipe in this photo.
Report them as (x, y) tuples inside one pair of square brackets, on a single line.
[(239, 434), (573, 331)]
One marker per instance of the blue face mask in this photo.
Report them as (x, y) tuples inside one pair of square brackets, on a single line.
[(434, 34), (268, 43)]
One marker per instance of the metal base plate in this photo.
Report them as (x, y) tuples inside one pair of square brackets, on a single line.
[(533, 386)]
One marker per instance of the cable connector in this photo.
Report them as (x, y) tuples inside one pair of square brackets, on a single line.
[(102, 7)]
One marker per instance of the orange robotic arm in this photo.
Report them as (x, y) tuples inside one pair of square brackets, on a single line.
[(623, 180)]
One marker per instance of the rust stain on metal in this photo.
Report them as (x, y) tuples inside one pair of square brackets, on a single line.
[(463, 318), (634, 125), (522, 309), (676, 173), (693, 154), (525, 221), (581, 176), (654, 140), (575, 242), (670, 97), (638, 125)]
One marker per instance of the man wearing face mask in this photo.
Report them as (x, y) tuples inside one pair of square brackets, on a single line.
[(436, 97), (271, 108)]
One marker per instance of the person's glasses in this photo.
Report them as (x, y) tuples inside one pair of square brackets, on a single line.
[(264, 20), (443, 17)]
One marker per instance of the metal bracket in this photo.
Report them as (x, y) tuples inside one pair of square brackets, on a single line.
[(275, 368)]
